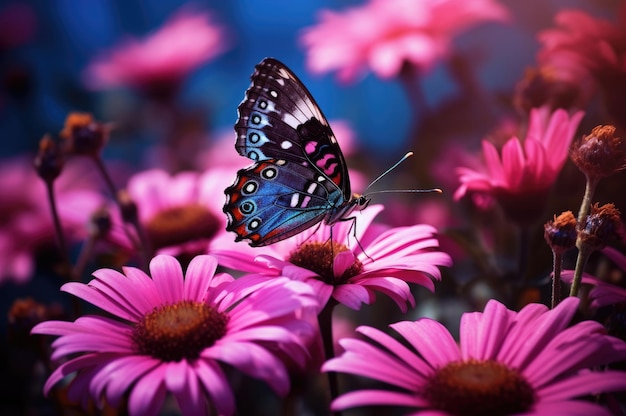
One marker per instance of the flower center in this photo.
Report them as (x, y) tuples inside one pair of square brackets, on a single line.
[(473, 388), (178, 225), (179, 331), (318, 257)]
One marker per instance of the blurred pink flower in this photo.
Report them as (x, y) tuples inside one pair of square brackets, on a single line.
[(169, 334), (588, 52), (163, 59), (383, 35), (179, 213), (507, 362), (380, 259), (25, 219), (521, 177)]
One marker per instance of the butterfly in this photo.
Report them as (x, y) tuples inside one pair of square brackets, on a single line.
[(299, 176)]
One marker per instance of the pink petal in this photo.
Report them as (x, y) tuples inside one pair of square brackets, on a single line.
[(168, 278), (584, 384), (181, 380), (198, 277), (431, 339), (376, 397), (214, 381), (352, 295), (148, 394), (513, 162)]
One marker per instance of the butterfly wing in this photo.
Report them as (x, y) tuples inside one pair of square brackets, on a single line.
[(300, 175), (275, 199), (279, 119)]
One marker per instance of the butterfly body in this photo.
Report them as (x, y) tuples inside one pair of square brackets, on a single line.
[(299, 177)]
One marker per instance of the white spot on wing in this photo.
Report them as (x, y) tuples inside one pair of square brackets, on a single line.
[(286, 144), (294, 200), (312, 188)]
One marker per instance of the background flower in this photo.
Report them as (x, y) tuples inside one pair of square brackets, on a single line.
[(26, 224), (521, 177), (168, 334), (185, 42), (384, 35)]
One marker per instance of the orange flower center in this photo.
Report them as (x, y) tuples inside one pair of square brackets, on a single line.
[(319, 257), (182, 224), (179, 331), (473, 388)]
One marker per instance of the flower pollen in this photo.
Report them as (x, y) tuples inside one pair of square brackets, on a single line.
[(181, 224), (319, 257), (179, 331), (468, 388)]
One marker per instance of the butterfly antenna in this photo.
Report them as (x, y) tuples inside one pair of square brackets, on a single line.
[(395, 165)]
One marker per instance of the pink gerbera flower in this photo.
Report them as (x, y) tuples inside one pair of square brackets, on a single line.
[(506, 363), (178, 213), (383, 35), (522, 176), (169, 334), (25, 219), (163, 59), (348, 261)]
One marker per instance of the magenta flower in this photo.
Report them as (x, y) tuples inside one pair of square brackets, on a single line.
[(25, 219), (522, 176), (169, 334), (506, 363), (179, 213), (383, 35), (588, 52), (364, 258), (185, 42)]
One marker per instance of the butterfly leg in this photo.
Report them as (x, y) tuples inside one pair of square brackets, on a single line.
[(353, 230)]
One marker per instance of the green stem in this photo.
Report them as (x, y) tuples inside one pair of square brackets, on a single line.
[(556, 278), (581, 261), (325, 319), (585, 205)]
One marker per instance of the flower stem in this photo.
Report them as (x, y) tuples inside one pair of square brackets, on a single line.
[(556, 278), (590, 189), (325, 319), (57, 222), (581, 261), (583, 254)]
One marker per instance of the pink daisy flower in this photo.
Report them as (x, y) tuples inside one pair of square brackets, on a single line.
[(26, 223), (528, 362), (178, 213), (359, 260), (163, 59), (168, 334), (522, 176), (383, 35)]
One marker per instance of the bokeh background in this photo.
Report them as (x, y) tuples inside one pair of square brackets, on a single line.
[(46, 46)]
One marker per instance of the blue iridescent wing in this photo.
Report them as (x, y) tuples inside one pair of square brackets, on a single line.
[(275, 199), (300, 175)]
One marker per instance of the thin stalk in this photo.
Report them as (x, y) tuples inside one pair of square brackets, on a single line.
[(556, 278), (590, 189), (583, 254), (325, 319), (581, 261)]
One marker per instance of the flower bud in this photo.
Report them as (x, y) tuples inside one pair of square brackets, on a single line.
[(598, 154), (83, 135), (560, 233)]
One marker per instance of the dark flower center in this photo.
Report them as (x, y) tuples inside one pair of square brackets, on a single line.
[(319, 257), (182, 224), (473, 388), (179, 331)]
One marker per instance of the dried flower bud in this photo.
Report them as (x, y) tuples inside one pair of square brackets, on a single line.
[(560, 233), (84, 135), (49, 160), (598, 154), (100, 223), (600, 227), (24, 315), (128, 207), (543, 86)]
